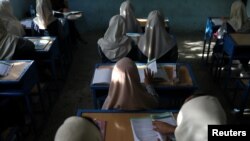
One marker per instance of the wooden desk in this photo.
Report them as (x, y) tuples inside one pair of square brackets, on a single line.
[(143, 23), (236, 46), (118, 126), (20, 81), (46, 52), (167, 91), (43, 43), (212, 25)]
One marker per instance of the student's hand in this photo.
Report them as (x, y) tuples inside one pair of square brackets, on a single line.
[(149, 76), (163, 127)]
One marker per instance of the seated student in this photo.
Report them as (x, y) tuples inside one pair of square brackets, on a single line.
[(11, 23), (125, 90), (238, 22), (156, 43), (48, 25), (127, 11), (78, 129), (59, 5), (14, 47), (115, 44), (193, 119), (45, 21)]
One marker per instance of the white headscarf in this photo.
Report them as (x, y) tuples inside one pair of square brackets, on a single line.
[(195, 116), (8, 43), (155, 42), (127, 11), (11, 23), (238, 15), (44, 15), (115, 44), (77, 129), (125, 90)]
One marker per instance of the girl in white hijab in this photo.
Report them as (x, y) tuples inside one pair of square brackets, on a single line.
[(11, 23), (8, 43), (44, 15), (78, 129), (127, 11), (238, 22), (115, 44), (156, 43), (238, 15), (126, 91), (14, 47), (193, 119)]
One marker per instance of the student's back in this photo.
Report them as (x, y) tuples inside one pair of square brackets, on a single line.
[(14, 47), (156, 43), (126, 91), (11, 23), (115, 44)]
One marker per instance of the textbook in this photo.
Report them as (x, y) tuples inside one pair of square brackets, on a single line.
[(102, 75), (5, 68), (142, 128), (159, 73)]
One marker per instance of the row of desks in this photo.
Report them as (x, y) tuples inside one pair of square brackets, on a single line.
[(118, 126), (168, 91), (236, 46)]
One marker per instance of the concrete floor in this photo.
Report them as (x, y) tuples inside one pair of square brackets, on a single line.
[(75, 91)]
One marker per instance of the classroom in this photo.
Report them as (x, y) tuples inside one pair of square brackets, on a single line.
[(127, 70)]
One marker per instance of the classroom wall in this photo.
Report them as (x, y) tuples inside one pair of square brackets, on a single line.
[(20, 7), (184, 15)]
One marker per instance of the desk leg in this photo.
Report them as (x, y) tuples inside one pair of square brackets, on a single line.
[(94, 98), (244, 100), (208, 49), (228, 76), (204, 48), (53, 69), (29, 110)]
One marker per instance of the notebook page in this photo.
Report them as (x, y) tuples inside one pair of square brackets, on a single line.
[(102, 75)]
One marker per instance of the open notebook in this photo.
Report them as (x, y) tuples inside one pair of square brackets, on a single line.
[(103, 75), (143, 129)]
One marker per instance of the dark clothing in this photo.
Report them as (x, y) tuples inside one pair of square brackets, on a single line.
[(25, 50), (58, 5), (12, 113), (54, 29), (218, 47), (132, 55), (170, 57)]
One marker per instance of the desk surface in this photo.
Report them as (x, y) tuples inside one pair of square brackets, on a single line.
[(241, 39), (143, 21), (42, 44), (184, 73), (118, 126), (17, 71)]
